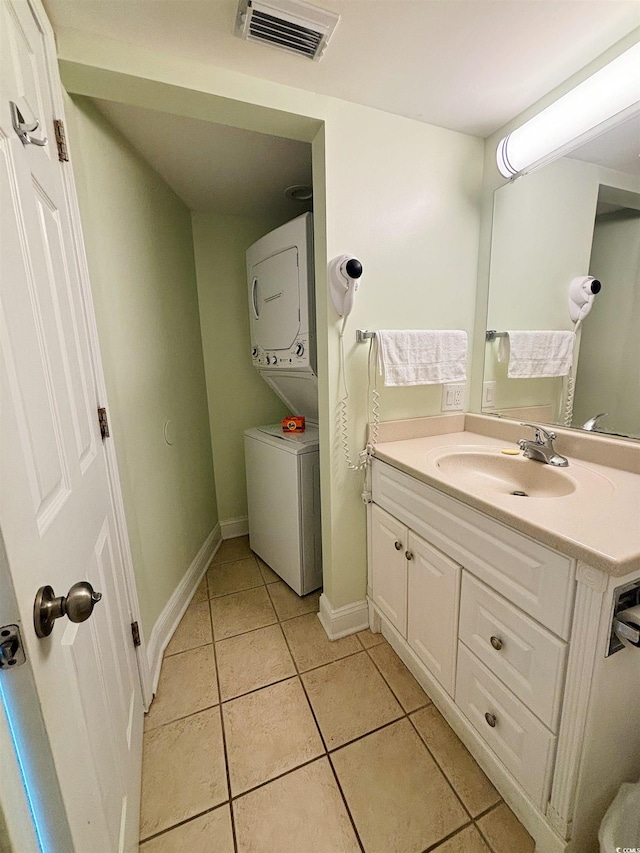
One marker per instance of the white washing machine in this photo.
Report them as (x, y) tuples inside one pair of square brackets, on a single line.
[(283, 494)]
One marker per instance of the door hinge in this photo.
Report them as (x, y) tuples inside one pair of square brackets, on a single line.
[(61, 140), (104, 423), (135, 633), (11, 648)]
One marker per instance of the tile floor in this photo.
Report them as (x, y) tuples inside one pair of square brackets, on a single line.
[(264, 737)]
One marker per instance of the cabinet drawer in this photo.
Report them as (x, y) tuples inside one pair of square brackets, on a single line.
[(389, 567), (532, 576), (433, 600), (529, 659), (521, 742)]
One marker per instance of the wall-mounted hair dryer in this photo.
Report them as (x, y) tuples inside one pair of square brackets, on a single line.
[(345, 272), (582, 292)]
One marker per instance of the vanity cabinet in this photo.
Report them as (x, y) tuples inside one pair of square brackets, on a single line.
[(417, 588), (503, 633)]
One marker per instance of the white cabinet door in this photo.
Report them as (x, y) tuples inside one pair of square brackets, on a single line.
[(433, 603), (389, 567)]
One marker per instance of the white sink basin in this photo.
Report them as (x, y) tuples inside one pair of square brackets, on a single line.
[(491, 470)]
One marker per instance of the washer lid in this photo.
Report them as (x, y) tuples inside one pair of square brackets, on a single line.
[(291, 442)]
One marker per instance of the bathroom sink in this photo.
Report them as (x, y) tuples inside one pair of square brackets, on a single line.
[(509, 475)]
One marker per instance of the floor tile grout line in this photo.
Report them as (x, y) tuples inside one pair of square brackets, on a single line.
[(483, 835), (346, 805), (237, 591), (391, 688), (182, 822), (485, 838), (325, 663), (488, 810), (434, 847), (437, 763), (277, 778), (183, 717), (333, 770), (224, 739)]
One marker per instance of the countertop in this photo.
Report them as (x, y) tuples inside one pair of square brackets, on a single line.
[(598, 523)]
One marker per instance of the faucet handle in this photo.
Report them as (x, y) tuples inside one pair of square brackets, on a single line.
[(541, 433)]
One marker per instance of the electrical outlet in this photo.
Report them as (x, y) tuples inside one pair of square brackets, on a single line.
[(452, 398), (488, 394)]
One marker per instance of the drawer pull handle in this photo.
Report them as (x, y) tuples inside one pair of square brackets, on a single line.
[(491, 719), (408, 555), (496, 642), (398, 546)]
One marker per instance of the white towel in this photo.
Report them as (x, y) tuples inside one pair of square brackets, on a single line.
[(536, 354), (421, 357)]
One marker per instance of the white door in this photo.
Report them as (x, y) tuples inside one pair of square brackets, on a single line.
[(56, 510)]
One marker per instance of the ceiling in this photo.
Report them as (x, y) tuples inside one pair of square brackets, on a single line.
[(214, 168), (468, 65)]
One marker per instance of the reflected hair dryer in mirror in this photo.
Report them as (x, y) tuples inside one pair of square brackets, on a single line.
[(582, 292)]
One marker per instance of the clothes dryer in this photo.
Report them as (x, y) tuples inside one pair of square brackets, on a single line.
[(282, 314)]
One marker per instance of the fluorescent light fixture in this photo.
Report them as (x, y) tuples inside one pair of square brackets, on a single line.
[(605, 98)]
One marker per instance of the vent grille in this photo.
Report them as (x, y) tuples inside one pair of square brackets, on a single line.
[(289, 25), (285, 34)]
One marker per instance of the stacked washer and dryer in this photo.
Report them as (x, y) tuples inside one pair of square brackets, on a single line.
[(283, 469)]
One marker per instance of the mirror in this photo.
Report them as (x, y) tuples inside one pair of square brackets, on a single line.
[(576, 216)]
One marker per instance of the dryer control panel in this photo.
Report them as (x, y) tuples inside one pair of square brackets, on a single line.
[(297, 357), (282, 299)]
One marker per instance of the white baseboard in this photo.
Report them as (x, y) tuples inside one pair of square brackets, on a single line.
[(174, 609), (342, 621), (233, 527)]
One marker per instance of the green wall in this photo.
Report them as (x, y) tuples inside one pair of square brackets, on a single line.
[(238, 397), (140, 253)]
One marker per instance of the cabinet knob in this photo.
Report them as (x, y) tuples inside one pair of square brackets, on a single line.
[(398, 546), (496, 642), (408, 555), (491, 719)]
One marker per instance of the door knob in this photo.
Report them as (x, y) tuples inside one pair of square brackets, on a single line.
[(78, 605), (397, 545)]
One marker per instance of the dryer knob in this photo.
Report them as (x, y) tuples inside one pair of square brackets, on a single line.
[(274, 360), (299, 349), (254, 352), (268, 359)]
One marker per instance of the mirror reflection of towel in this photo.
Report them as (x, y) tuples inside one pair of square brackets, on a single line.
[(422, 357), (536, 354)]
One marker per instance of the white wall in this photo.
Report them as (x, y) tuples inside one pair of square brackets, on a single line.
[(401, 195)]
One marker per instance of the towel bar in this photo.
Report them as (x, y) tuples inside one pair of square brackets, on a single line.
[(363, 335)]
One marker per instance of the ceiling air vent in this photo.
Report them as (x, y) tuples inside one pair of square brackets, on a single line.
[(289, 25)]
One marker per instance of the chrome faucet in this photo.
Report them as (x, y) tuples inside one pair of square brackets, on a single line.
[(542, 447), (592, 423)]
